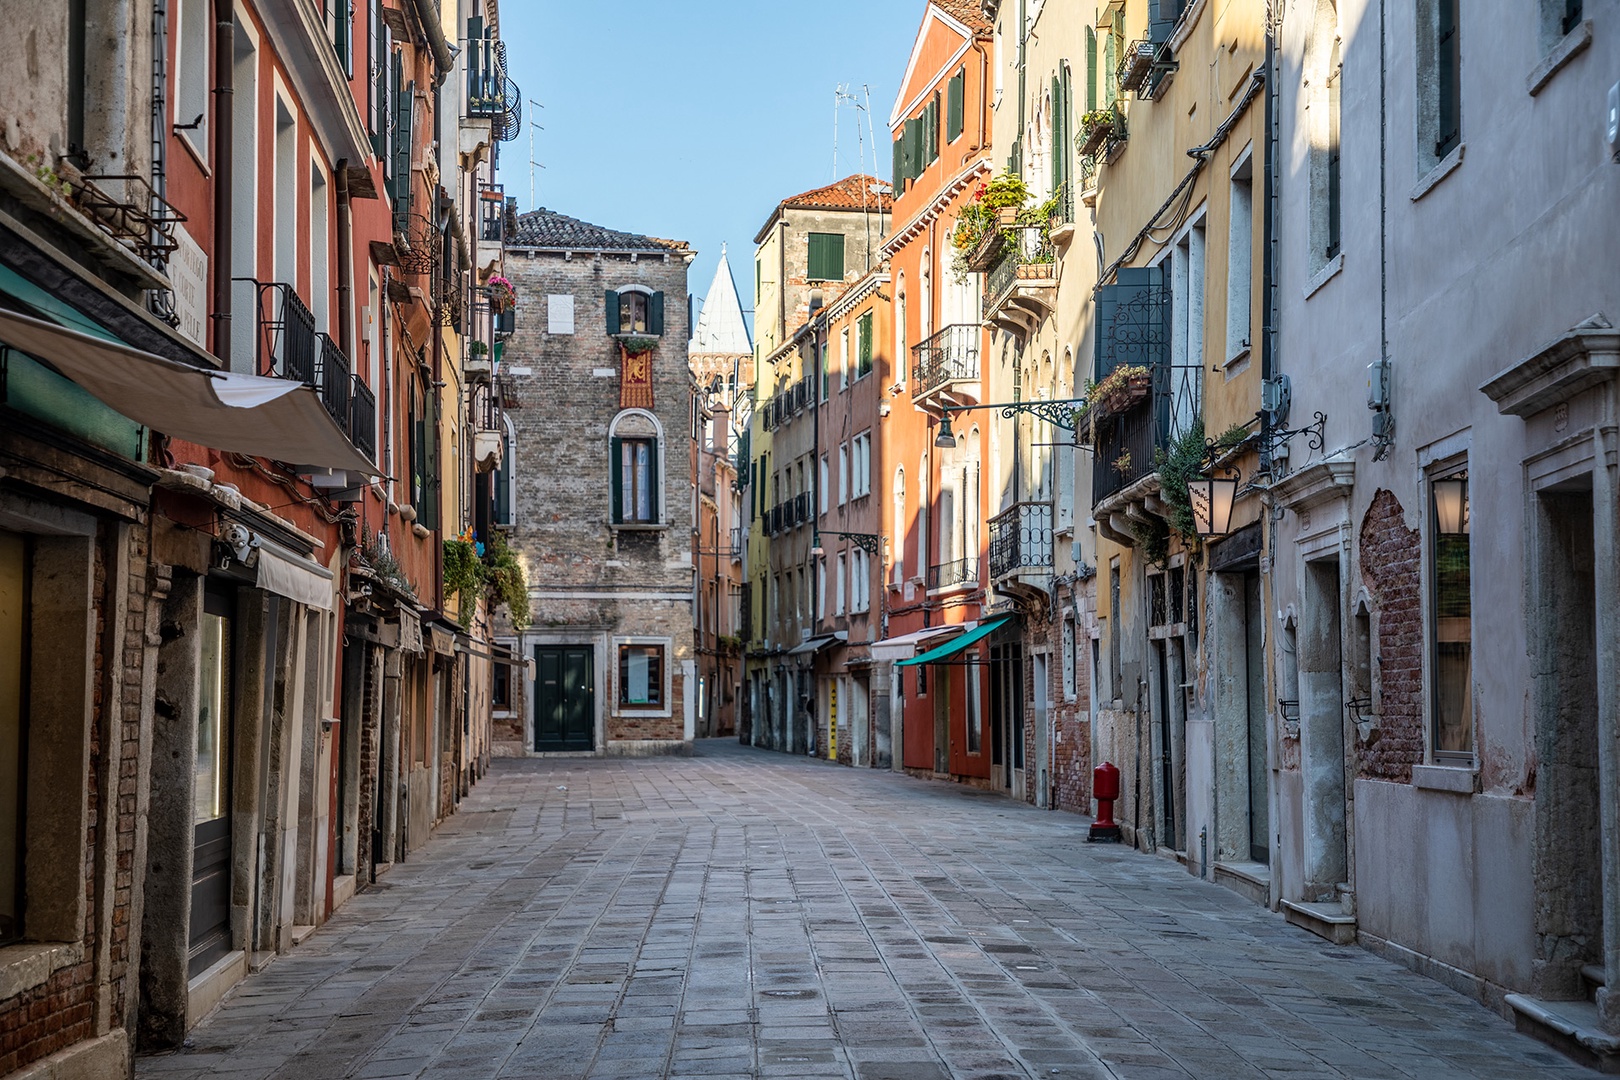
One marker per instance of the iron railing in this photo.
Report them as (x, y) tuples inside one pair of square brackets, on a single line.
[(951, 574), (1030, 249), (490, 94), (286, 338), (1128, 444), (333, 380), (1021, 540), (363, 419), (788, 403), (1063, 204), (130, 211), (492, 213), (952, 355)]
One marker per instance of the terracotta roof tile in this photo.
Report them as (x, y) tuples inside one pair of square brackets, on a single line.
[(850, 193), (548, 229), (968, 12)]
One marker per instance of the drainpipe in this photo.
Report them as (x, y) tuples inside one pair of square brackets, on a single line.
[(224, 106), (345, 258), (428, 15)]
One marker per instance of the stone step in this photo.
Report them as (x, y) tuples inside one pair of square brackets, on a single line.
[(1249, 879), (1570, 1027), (1324, 920)]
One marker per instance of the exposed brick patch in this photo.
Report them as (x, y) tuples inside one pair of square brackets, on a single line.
[(1391, 562)]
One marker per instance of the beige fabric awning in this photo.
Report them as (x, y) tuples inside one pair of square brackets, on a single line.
[(270, 418), (288, 574)]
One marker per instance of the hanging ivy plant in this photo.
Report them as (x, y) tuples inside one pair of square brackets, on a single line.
[(505, 581), (463, 575), (1182, 461), (635, 346)]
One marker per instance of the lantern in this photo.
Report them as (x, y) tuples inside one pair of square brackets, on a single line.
[(1451, 505), (1212, 498)]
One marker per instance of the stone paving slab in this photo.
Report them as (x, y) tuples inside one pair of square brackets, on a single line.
[(747, 914)]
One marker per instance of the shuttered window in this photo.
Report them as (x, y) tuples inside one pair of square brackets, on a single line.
[(955, 105), (863, 365), (1091, 69), (1333, 196), (1060, 155), (826, 257), (1448, 64), (900, 178), (931, 126), (634, 312)]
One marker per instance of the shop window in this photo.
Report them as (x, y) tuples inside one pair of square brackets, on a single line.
[(1451, 617), (642, 676)]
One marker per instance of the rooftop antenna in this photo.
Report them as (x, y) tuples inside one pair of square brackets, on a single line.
[(840, 95), (534, 125)]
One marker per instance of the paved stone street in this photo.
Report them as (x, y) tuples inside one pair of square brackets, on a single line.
[(744, 914)]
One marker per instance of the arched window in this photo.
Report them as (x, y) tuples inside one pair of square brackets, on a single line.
[(902, 360), (925, 318), (1322, 98), (636, 469)]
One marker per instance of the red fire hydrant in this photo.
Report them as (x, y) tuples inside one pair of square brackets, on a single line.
[(1105, 788)]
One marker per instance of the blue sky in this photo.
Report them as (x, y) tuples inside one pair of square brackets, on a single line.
[(692, 120)]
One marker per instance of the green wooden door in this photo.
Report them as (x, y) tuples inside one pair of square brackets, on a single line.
[(564, 698)]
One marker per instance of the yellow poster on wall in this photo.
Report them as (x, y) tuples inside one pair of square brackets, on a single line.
[(832, 720)]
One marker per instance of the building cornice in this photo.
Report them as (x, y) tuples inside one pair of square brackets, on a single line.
[(911, 229)]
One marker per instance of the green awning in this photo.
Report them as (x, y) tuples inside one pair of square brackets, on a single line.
[(957, 644)]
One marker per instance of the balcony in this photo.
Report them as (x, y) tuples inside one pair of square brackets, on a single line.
[(787, 404), (1021, 289), (490, 234), (947, 365), (490, 94), (956, 574), (288, 347), (1021, 547)]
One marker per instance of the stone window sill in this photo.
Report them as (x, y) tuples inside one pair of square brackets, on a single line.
[(23, 967), (1329, 271), (1442, 169), (1573, 44), (631, 527), (1457, 779)]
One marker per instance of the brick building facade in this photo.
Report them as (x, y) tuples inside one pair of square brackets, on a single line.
[(602, 489)]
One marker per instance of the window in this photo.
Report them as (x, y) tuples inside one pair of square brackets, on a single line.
[(821, 586), (825, 365), (898, 493), (843, 358), (14, 638), (1451, 680), (1439, 76), (635, 310), (1448, 78), (423, 439), (1334, 200), (843, 474), (1187, 328), (839, 594), (900, 357), (641, 676), (501, 691), (860, 585), (861, 465), (636, 469), (340, 29), (1240, 262), (955, 105), (823, 484), (826, 257), (863, 362), (191, 74)]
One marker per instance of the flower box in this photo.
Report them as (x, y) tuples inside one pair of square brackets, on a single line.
[(1138, 63), (983, 256)]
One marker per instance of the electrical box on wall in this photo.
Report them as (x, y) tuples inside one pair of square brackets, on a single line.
[(1378, 386)]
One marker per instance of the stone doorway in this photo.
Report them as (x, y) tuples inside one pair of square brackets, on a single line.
[(1569, 868), (1322, 739)]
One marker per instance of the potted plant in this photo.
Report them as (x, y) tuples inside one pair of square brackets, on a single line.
[(1097, 128), (502, 294), (477, 361)]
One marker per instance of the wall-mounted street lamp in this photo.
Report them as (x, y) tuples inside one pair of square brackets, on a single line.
[(867, 542), (1212, 498), (1058, 413)]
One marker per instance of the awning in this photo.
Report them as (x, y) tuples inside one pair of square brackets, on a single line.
[(286, 573), (816, 644), (904, 646), (270, 418), (957, 644)]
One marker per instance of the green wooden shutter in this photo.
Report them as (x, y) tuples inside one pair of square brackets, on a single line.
[(933, 129), (1058, 155), (955, 106), (655, 314), (914, 165), (611, 306), (404, 121), (1111, 65), (1091, 69), (899, 179), (1449, 80), (866, 344), (616, 477)]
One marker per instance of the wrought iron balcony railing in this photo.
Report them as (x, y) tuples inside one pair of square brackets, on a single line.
[(1021, 540), (1031, 258), (286, 337), (949, 575), (490, 94), (288, 347), (492, 214), (952, 355)]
